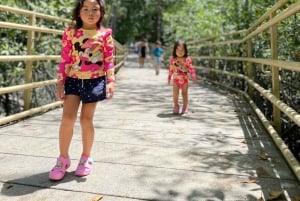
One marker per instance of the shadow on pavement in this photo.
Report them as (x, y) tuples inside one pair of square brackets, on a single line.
[(35, 183)]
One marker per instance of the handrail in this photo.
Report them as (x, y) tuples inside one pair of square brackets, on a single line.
[(290, 112), (277, 6), (289, 157), (195, 44), (29, 57), (22, 87), (10, 25), (30, 13), (288, 65), (268, 22), (36, 110), (30, 112), (120, 56), (290, 11)]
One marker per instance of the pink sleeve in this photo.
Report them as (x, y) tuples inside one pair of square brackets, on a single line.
[(191, 69), (108, 55), (65, 55), (171, 69)]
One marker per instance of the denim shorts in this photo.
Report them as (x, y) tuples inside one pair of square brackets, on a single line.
[(157, 61), (89, 90)]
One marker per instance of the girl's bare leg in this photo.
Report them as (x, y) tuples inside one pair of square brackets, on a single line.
[(175, 94), (184, 93), (70, 109), (157, 68), (141, 61), (87, 127)]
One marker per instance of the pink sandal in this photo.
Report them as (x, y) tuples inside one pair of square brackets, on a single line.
[(84, 167), (176, 109), (185, 110), (58, 171)]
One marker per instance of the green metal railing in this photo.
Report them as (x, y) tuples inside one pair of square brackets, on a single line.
[(244, 39)]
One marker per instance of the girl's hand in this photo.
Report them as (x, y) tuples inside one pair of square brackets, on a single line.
[(110, 88), (60, 92)]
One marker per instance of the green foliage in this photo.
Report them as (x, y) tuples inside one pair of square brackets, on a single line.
[(137, 19), (192, 20), (14, 42)]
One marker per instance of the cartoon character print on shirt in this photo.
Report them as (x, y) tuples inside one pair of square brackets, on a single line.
[(180, 66), (89, 55)]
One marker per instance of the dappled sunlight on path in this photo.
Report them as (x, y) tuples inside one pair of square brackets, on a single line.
[(144, 152)]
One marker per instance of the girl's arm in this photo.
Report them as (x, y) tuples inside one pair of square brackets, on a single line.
[(65, 59), (108, 55), (171, 69), (191, 69)]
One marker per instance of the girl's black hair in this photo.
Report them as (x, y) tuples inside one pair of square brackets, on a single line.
[(76, 13), (177, 43)]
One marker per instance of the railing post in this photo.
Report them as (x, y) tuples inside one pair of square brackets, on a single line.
[(250, 65), (115, 54), (213, 62), (28, 69), (275, 75)]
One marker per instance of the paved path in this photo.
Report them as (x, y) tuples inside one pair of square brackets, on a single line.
[(144, 152)]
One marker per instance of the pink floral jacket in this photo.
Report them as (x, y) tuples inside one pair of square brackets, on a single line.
[(180, 70), (86, 54)]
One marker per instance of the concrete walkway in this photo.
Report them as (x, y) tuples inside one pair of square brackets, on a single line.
[(144, 152)]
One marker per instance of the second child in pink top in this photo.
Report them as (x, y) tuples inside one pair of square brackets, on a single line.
[(180, 70)]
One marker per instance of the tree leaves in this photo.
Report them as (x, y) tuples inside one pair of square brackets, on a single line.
[(192, 20), (136, 19), (14, 42)]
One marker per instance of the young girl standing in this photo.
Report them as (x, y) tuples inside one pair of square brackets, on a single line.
[(86, 74), (180, 69)]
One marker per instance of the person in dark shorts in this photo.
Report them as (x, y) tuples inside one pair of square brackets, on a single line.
[(143, 49), (85, 77)]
